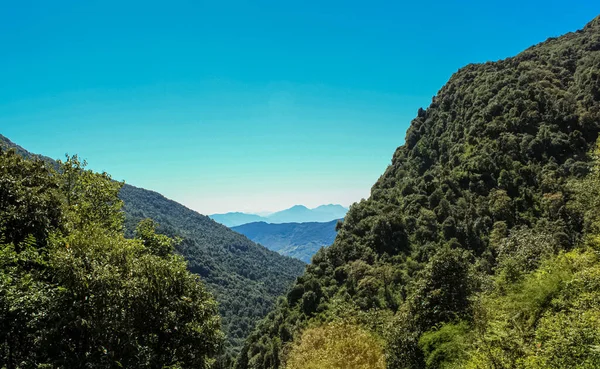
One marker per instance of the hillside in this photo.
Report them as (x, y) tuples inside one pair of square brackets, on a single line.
[(295, 214), (297, 240), (246, 278), (445, 262)]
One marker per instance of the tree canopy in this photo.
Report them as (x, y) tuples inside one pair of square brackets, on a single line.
[(75, 293)]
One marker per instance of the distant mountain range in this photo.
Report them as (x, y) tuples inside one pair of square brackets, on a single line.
[(298, 240), (295, 214)]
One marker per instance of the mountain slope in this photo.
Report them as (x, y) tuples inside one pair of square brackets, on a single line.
[(298, 240), (483, 177), (246, 278)]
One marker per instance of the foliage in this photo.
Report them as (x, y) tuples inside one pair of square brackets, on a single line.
[(29, 200), (336, 346), (75, 293), (444, 346), (549, 320)]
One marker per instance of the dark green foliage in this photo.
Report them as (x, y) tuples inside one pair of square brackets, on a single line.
[(442, 291), (298, 240), (157, 244), (75, 293), (492, 157), (29, 200)]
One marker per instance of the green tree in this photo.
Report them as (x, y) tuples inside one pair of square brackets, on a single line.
[(75, 293)]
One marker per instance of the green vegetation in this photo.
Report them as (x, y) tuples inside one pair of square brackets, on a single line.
[(478, 246), (75, 293), (336, 346)]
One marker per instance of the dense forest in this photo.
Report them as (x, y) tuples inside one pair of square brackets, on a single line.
[(479, 245), (245, 278)]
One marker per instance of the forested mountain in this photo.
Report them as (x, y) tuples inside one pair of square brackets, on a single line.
[(478, 247), (295, 214), (298, 240), (246, 278)]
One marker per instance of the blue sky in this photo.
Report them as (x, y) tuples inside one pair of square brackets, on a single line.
[(246, 105)]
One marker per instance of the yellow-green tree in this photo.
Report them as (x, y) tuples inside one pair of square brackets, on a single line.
[(336, 346)]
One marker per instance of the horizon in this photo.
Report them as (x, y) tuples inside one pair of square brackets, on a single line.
[(266, 213), (238, 107)]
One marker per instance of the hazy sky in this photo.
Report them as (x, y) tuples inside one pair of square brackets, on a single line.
[(246, 105)]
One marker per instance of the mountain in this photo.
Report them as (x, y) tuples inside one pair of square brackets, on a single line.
[(295, 214), (300, 214), (476, 246), (297, 240), (337, 211), (245, 278), (236, 218)]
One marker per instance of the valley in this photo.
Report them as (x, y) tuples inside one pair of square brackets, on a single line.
[(297, 240), (478, 246)]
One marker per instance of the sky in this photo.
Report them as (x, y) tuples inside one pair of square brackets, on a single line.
[(235, 105)]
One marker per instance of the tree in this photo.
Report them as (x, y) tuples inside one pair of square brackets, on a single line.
[(336, 346), (74, 292)]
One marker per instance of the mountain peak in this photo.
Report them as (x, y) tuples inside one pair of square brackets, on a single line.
[(298, 207), (295, 214)]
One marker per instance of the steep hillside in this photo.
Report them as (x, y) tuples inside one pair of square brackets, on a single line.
[(298, 240), (481, 189), (246, 278)]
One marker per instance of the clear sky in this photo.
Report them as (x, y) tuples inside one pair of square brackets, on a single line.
[(246, 105)]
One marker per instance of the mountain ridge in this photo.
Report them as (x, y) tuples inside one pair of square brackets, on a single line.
[(298, 240), (294, 214)]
